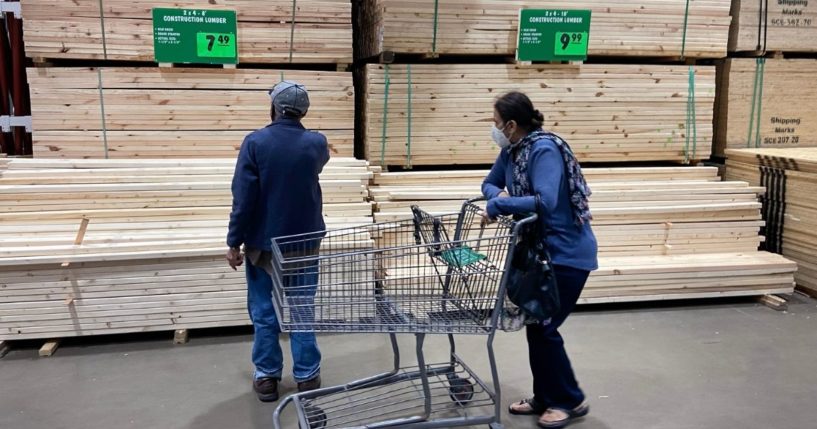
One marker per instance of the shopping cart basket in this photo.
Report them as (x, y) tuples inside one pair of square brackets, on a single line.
[(429, 274)]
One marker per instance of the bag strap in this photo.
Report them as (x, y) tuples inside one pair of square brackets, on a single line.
[(541, 231)]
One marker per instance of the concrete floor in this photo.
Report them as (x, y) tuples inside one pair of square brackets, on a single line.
[(716, 364)]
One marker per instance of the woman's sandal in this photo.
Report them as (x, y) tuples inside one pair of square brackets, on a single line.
[(526, 407), (570, 415)]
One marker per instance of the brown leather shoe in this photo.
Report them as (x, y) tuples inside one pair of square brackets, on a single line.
[(266, 389), (306, 386)]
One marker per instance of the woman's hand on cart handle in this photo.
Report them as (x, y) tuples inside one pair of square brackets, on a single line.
[(235, 258)]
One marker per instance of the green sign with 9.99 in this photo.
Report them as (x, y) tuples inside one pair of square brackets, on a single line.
[(195, 36), (553, 35)]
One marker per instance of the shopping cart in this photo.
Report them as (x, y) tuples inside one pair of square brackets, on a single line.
[(424, 275)]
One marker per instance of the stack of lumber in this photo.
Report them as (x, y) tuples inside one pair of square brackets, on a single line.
[(790, 203), (442, 114), (653, 28), (663, 233), (272, 31), (784, 96), (184, 113), (782, 25), (151, 255)]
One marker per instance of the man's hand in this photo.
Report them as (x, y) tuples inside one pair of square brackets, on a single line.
[(235, 258), (503, 194), (486, 220)]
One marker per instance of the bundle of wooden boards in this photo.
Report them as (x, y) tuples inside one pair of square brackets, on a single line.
[(782, 25), (664, 233), (109, 246), (442, 114), (790, 203), (272, 31), (766, 103), (655, 28), (177, 112)]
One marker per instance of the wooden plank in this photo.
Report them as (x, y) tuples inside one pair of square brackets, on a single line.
[(179, 112), (790, 177), (653, 28), (774, 302), (181, 336), (785, 106), (663, 233), (49, 348), (783, 26), (608, 113), (320, 33)]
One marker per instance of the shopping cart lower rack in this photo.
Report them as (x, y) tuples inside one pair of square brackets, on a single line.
[(424, 275)]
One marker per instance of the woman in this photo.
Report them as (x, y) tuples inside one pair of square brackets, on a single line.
[(534, 162)]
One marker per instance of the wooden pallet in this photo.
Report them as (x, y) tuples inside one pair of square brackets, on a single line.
[(320, 33), (773, 26), (442, 114), (184, 113), (786, 110), (790, 206), (652, 28)]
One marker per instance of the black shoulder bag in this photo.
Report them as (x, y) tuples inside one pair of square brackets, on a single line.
[(531, 282)]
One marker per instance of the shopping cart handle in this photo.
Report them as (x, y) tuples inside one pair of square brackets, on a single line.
[(476, 199), (276, 415)]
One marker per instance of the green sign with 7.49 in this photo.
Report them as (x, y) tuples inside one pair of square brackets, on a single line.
[(553, 35), (195, 36)]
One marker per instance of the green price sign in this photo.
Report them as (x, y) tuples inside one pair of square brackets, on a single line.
[(216, 45), (195, 36), (571, 44), (553, 35)]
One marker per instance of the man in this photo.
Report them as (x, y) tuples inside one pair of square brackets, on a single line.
[(276, 193)]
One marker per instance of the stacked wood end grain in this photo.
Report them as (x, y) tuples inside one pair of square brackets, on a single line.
[(152, 255), (320, 33), (442, 114), (779, 96), (664, 233), (790, 203), (782, 25), (183, 113), (653, 28)]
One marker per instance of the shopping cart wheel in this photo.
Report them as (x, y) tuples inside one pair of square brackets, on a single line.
[(315, 416), (460, 390)]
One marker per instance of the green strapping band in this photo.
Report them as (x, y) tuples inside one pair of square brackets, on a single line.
[(692, 120), (436, 17), (292, 31), (757, 104), (408, 130), (104, 40), (102, 111), (385, 115), (686, 22)]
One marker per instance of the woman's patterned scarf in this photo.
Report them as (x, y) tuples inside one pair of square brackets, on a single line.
[(521, 186)]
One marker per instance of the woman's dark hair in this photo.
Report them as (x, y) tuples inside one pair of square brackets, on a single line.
[(516, 106)]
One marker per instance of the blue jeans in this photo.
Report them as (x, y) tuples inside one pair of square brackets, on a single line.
[(266, 351), (554, 384)]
